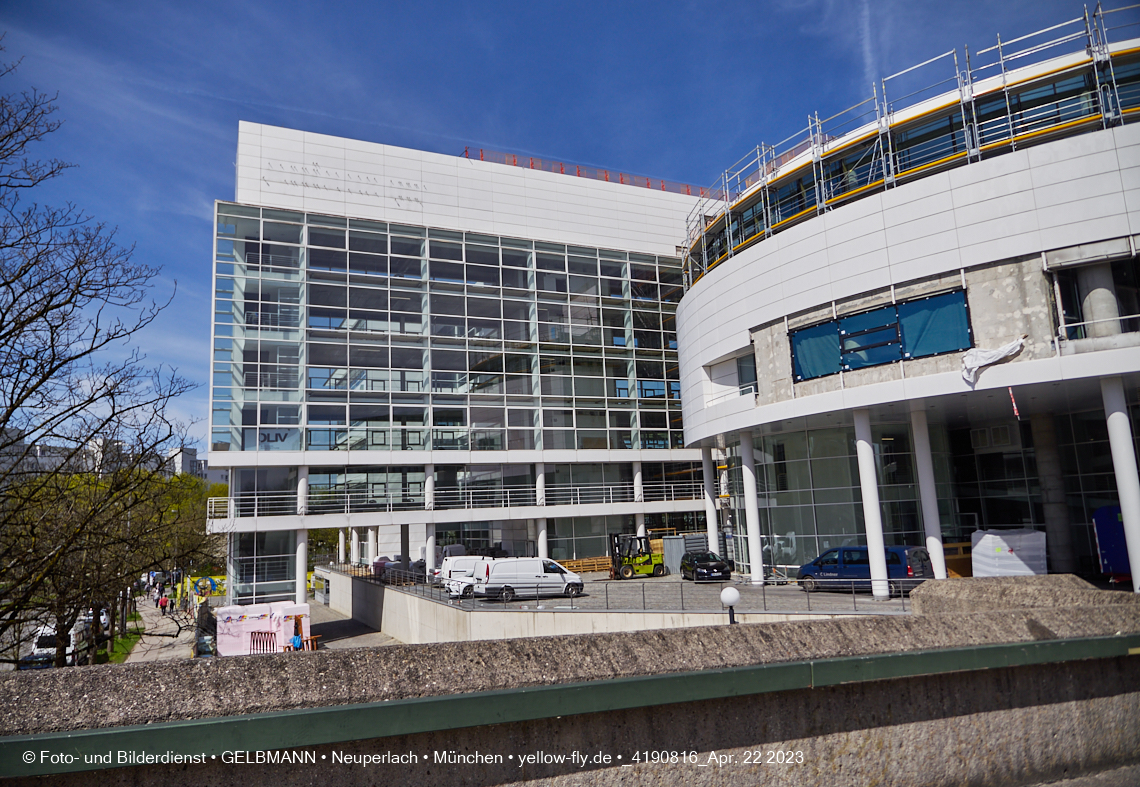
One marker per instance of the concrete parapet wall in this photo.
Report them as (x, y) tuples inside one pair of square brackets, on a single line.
[(413, 619), (974, 594), (118, 695), (824, 690)]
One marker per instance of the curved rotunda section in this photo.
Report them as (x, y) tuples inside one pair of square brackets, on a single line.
[(822, 356)]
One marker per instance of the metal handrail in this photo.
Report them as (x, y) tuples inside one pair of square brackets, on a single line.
[(1129, 323), (657, 491), (586, 494), (323, 500), (766, 164)]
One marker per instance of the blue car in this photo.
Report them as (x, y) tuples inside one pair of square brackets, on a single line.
[(845, 568)]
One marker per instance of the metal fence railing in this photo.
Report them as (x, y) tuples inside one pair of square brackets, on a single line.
[(322, 500), (665, 594), (954, 109)]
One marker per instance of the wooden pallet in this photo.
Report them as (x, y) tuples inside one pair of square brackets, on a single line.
[(586, 564)]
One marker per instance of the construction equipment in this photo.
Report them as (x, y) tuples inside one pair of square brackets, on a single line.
[(632, 555)]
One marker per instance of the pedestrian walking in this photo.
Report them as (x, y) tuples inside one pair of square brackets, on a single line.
[(163, 603)]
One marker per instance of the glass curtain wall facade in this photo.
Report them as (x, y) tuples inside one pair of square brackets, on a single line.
[(334, 334), (986, 477), (809, 496)]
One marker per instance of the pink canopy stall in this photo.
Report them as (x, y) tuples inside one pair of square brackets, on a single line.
[(260, 628)]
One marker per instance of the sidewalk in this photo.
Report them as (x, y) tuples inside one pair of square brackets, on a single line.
[(162, 648)]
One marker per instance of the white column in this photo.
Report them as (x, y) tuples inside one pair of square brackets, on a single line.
[(708, 473), (751, 508), (231, 568), (302, 567), (1099, 303), (340, 545), (429, 556), (927, 489), (872, 513), (372, 554), (429, 487), (302, 490), (354, 555), (1124, 465), (543, 549), (540, 484), (639, 497)]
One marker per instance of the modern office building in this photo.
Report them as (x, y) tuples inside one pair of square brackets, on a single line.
[(917, 320), (419, 349)]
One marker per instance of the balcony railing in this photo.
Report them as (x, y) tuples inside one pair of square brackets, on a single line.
[(349, 501), (658, 491), (1126, 323), (484, 497)]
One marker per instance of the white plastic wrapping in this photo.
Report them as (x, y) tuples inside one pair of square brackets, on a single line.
[(976, 359), (1008, 553)]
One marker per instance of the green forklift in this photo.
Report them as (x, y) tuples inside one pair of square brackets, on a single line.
[(631, 555)]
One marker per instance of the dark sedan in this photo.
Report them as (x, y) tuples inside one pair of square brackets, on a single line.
[(705, 567)]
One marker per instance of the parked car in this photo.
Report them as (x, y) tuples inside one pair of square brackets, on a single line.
[(705, 567), (43, 648), (845, 568), (527, 577)]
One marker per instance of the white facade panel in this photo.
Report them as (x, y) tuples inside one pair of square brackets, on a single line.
[(387, 183), (1055, 195)]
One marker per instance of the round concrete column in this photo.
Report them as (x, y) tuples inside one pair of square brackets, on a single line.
[(639, 497), (429, 487), (872, 513), (1124, 465), (340, 545), (354, 555), (543, 550), (927, 489), (372, 554), (429, 551), (302, 567), (751, 508), (539, 484), (231, 567), (1098, 299), (707, 474), (302, 490), (1058, 532)]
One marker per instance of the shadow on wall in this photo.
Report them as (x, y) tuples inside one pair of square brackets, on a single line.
[(368, 602)]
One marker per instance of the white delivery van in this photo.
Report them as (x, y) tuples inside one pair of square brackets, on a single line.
[(523, 577), (455, 567), (457, 574)]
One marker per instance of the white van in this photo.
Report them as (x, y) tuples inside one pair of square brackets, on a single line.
[(43, 650), (524, 577), (459, 566)]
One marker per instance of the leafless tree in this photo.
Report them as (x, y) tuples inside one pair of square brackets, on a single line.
[(83, 422)]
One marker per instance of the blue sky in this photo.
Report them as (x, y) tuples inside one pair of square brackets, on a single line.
[(151, 95)]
